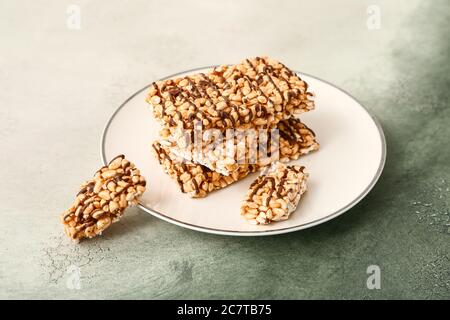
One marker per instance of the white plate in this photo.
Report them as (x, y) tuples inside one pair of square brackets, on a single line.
[(350, 160)]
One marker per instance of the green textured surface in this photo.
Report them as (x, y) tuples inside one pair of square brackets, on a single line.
[(58, 87)]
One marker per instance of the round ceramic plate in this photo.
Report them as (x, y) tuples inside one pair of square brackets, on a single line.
[(350, 160)]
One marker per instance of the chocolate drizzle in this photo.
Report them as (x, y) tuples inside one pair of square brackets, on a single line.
[(88, 188), (281, 184), (287, 132), (312, 132)]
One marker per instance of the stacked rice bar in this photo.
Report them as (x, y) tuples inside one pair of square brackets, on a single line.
[(258, 95), (198, 180)]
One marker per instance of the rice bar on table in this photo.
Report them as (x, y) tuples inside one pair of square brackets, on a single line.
[(275, 194), (227, 155), (194, 179), (258, 91), (102, 200)]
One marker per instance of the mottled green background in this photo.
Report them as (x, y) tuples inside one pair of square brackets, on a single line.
[(58, 87)]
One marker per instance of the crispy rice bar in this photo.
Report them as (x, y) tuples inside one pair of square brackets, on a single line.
[(194, 179), (102, 200), (255, 92), (275, 194), (255, 147), (197, 180)]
